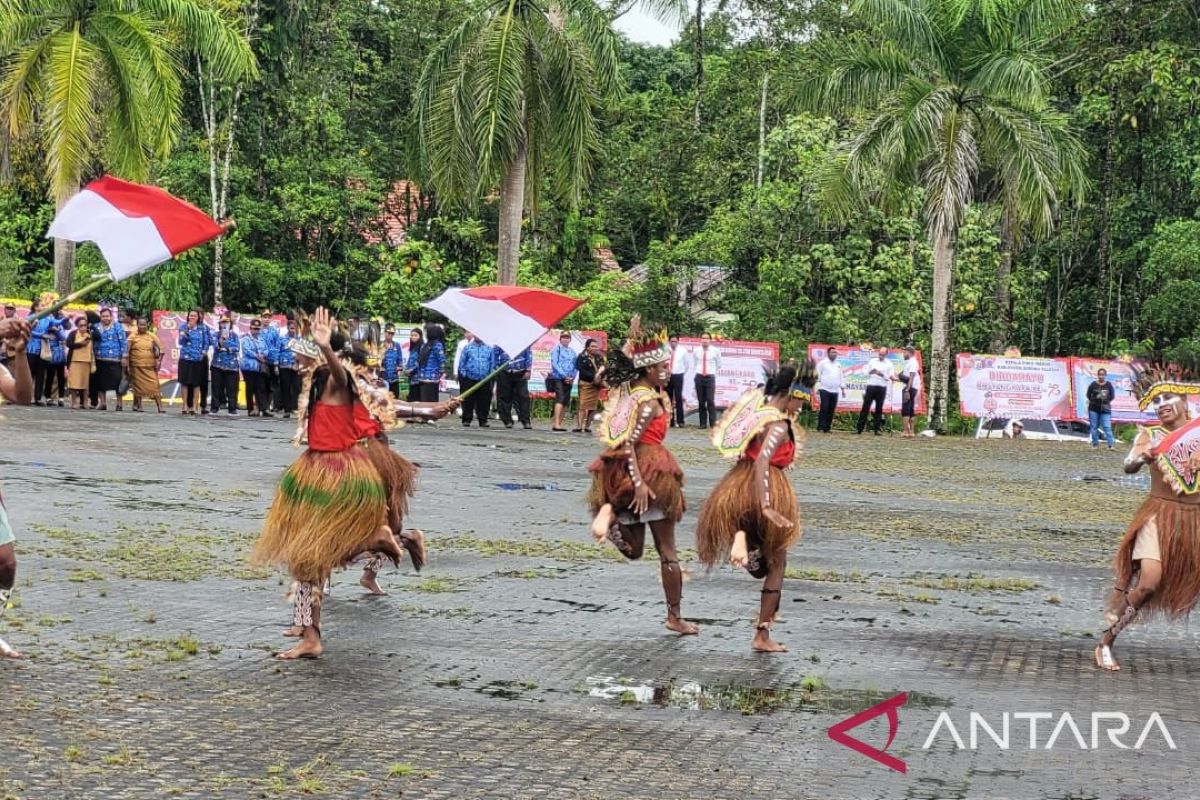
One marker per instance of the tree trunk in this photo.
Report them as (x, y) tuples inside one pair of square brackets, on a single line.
[(1008, 244), (512, 207), (6, 174), (64, 253), (1100, 312), (699, 113), (939, 362), (762, 131)]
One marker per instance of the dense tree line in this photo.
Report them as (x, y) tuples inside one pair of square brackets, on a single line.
[(794, 144)]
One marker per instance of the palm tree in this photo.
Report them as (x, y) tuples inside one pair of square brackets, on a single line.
[(952, 89), (99, 81), (512, 95)]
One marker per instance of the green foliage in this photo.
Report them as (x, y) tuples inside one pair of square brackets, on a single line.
[(412, 274)]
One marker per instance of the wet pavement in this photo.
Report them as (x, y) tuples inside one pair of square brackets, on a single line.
[(526, 662)]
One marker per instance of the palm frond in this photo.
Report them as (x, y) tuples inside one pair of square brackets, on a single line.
[(593, 30), (573, 101), (858, 74), (125, 113), (908, 23), (499, 97), (1015, 75), (68, 110), (206, 32), (949, 173), (18, 89)]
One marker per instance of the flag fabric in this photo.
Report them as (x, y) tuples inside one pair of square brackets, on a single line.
[(512, 317), (134, 226)]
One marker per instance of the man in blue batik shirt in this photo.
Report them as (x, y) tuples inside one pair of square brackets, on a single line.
[(512, 387), (392, 361), (287, 396), (561, 377), (270, 374), (226, 364), (478, 361), (256, 359)]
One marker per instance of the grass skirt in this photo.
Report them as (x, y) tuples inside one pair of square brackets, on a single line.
[(329, 506), (1179, 543), (735, 505), (611, 482)]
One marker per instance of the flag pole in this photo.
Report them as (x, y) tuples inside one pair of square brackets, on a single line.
[(99, 283), (227, 225), (478, 384)]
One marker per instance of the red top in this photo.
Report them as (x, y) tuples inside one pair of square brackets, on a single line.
[(333, 428), (783, 456), (656, 431)]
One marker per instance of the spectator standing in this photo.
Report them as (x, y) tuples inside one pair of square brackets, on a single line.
[(706, 366), (880, 374), (416, 342), (33, 357), (512, 387), (431, 363), (81, 363), (910, 376), (226, 367), (270, 335), (10, 312), (38, 352), (256, 358), (476, 363), (284, 360), (590, 367), (391, 364), (111, 349), (675, 382), (831, 385), (144, 357), (56, 368), (1100, 394), (561, 378), (195, 340)]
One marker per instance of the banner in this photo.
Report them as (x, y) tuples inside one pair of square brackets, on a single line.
[(853, 361), (743, 366), (1124, 404), (1023, 388)]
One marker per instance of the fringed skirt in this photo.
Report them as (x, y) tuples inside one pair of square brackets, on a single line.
[(1178, 527), (611, 482), (736, 505), (329, 506)]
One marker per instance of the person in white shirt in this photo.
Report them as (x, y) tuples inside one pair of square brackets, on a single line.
[(910, 376), (706, 365), (675, 384), (831, 385), (880, 374)]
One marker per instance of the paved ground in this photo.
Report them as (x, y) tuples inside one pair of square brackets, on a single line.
[(527, 663)]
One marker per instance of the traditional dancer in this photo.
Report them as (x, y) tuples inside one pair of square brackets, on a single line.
[(752, 517), (636, 481), (1157, 567), (15, 387), (345, 495)]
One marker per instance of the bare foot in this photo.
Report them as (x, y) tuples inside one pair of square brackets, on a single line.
[(369, 582), (682, 626), (7, 651), (309, 647), (1104, 658), (763, 643), (294, 632), (739, 554), (602, 523)]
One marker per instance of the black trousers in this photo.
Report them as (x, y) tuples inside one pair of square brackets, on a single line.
[(512, 389), (675, 392), (224, 390), (256, 392), (53, 382), (394, 388), (270, 387), (477, 405), (414, 390), (37, 368), (288, 396), (706, 397), (427, 392), (829, 401), (873, 395)]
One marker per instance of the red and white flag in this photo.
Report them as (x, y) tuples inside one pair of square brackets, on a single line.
[(512, 317), (134, 226)]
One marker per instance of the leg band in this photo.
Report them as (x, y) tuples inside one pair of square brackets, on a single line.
[(308, 596)]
